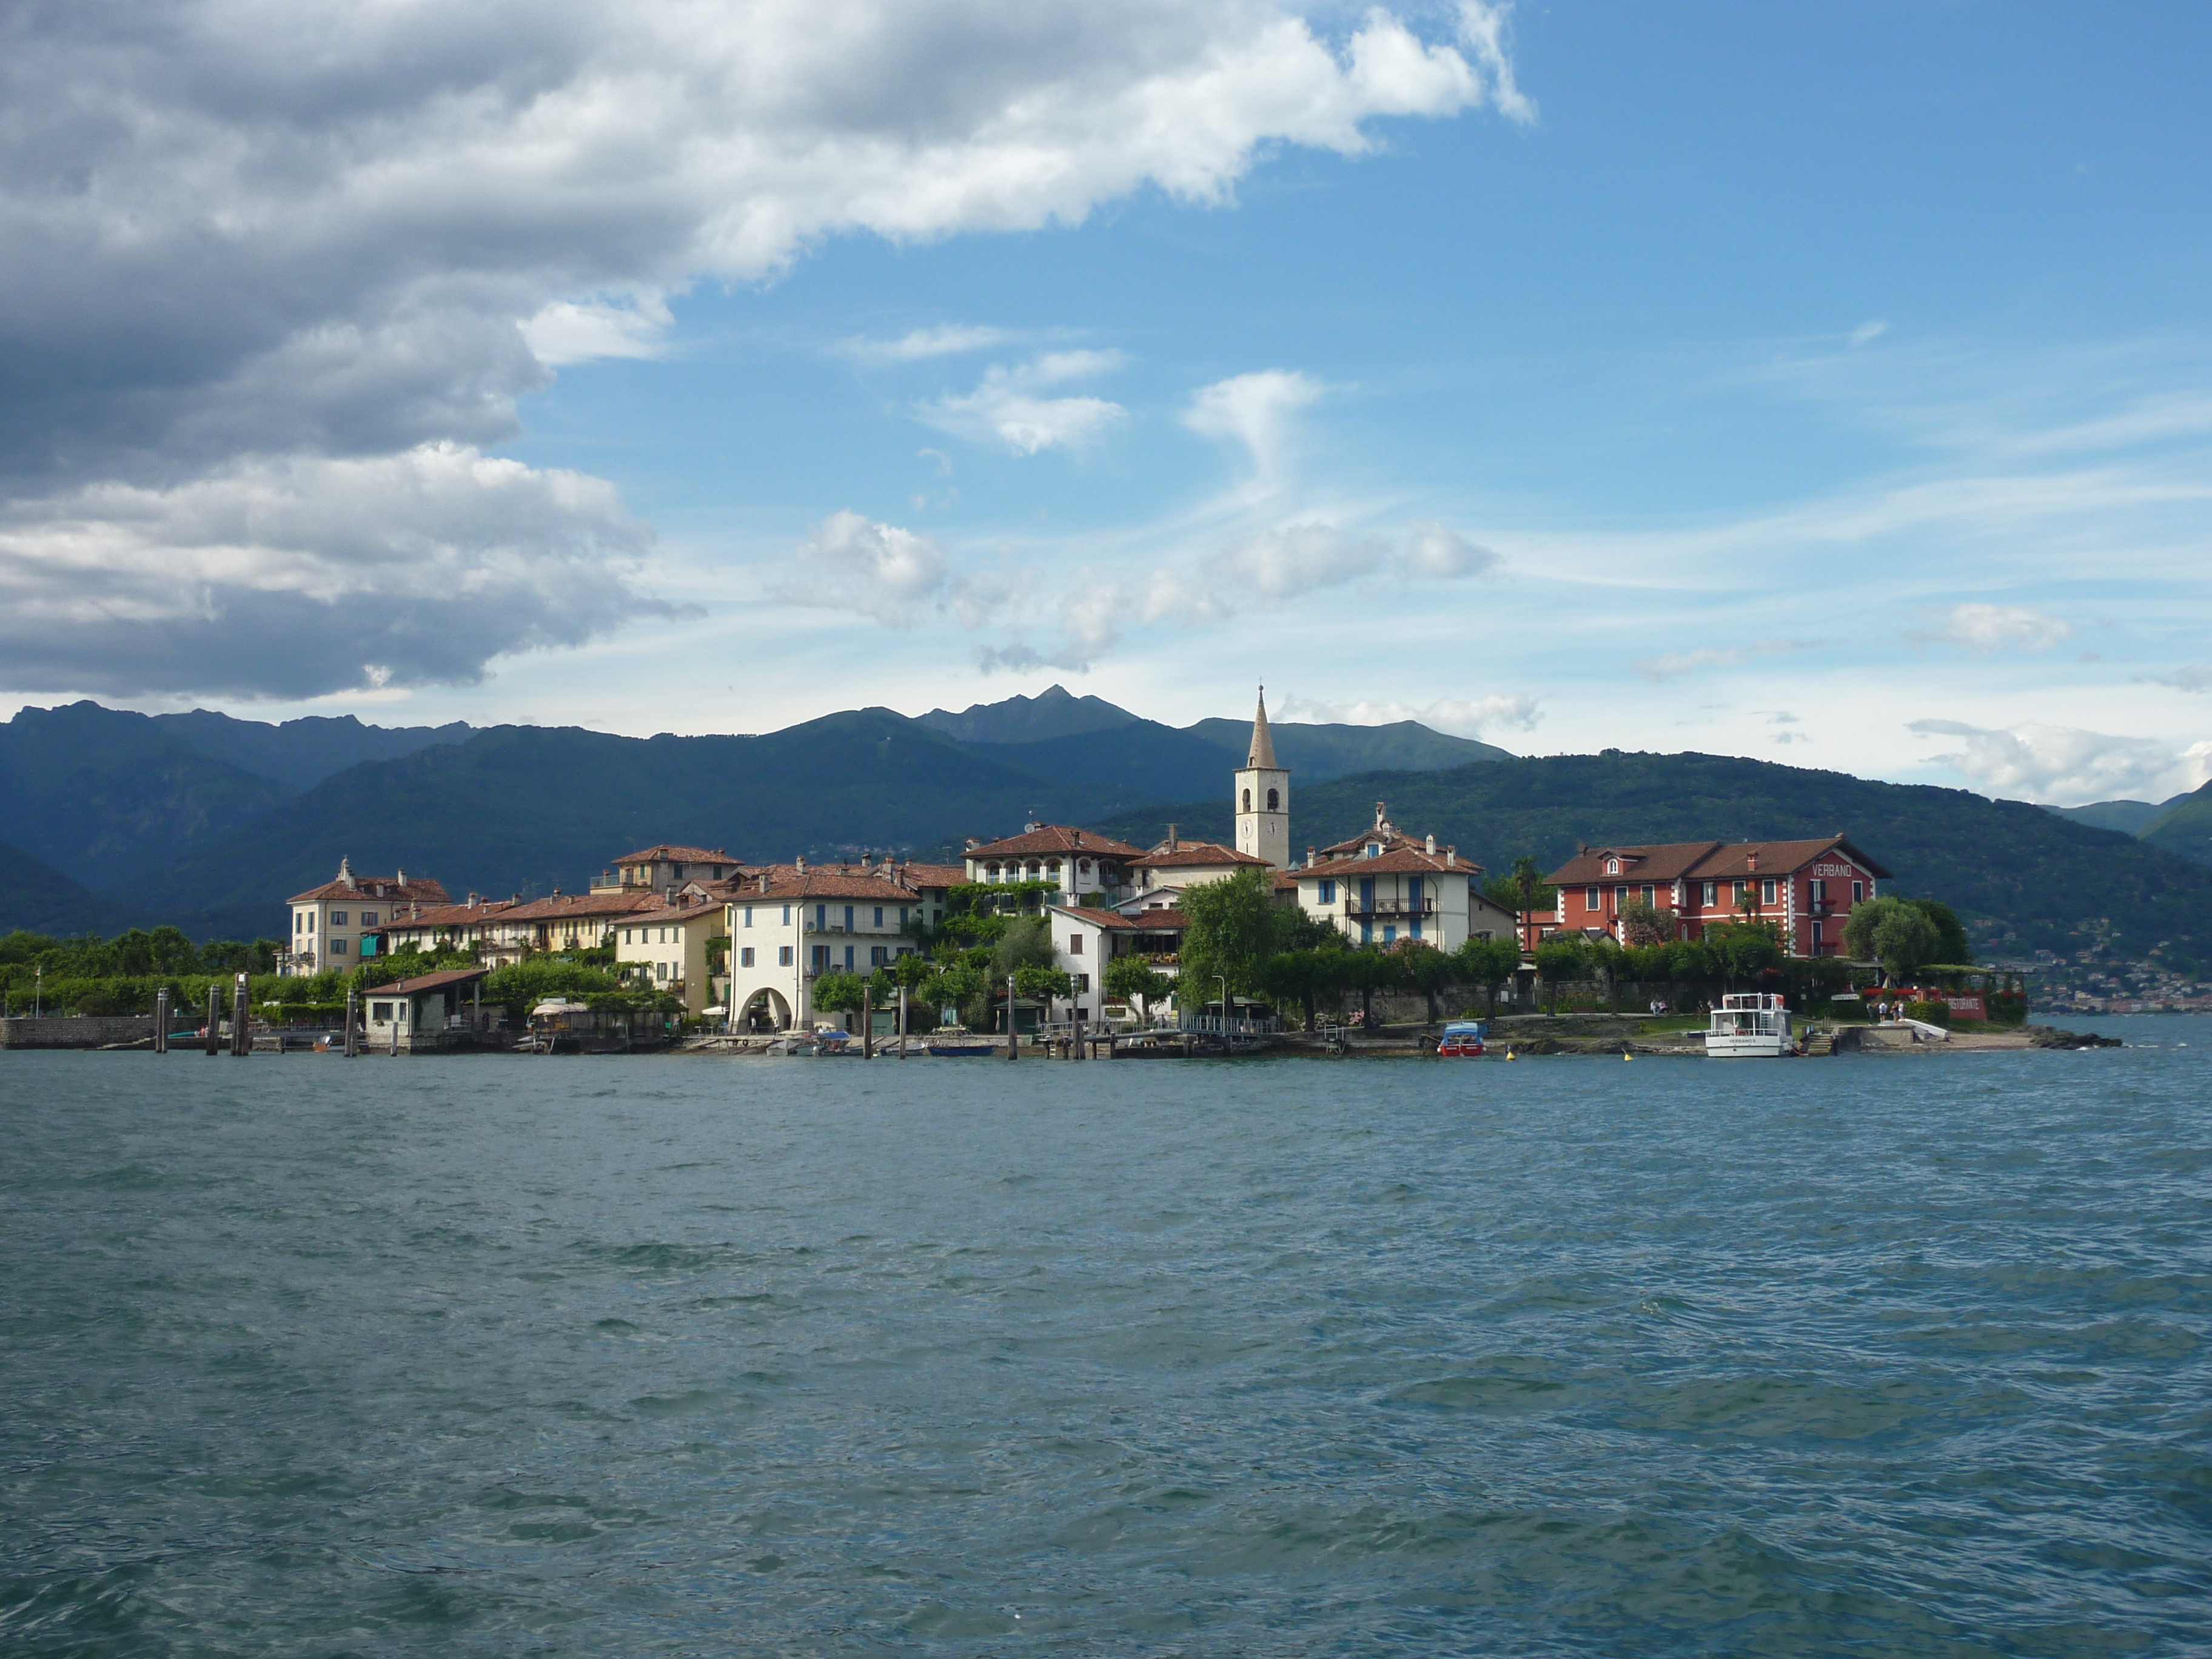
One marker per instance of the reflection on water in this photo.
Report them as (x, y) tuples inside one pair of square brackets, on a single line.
[(1876, 1355)]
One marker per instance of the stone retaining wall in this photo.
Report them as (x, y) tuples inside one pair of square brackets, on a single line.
[(75, 1030)]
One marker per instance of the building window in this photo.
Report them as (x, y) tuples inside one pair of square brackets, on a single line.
[(1084, 867), (821, 958), (848, 958), (1374, 849), (1858, 892), (786, 921), (1389, 933), (1075, 944), (745, 957), (1417, 930), (626, 934), (878, 956), (1650, 897), (821, 917), (310, 921), (783, 956), (903, 910), (381, 1012), (298, 922), (1247, 800), (749, 915), (1817, 891), (1613, 866), (338, 919), (661, 970), (1711, 894), (1328, 890), (337, 947), (1593, 899), (368, 918), (1767, 890), (1274, 801), (879, 915)]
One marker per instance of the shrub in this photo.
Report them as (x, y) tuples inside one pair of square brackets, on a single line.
[(1928, 1013), (2008, 1008)]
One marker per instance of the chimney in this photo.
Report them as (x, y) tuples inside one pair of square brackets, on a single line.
[(799, 864), (973, 842), (1171, 838), (1751, 859), (1313, 857), (401, 878), (1451, 855), (1380, 820), (556, 892), (1078, 838), (763, 884), (1432, 845)]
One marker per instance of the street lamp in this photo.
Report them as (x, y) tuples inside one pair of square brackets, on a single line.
[(37, 989), (1224, 978)]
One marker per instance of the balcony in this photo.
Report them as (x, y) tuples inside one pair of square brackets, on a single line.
[(1390, 909)]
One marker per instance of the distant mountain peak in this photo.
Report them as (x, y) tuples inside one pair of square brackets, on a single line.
[(1054, 712)]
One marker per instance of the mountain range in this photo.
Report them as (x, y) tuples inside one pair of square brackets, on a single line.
[(109, 818), (2181, 824), (209, 822)]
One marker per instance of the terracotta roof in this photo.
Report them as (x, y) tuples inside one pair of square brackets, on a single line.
[(427, 982), (932, 875), (1055, 838), (1287, 881), (1195, 856), (566, 906), (1415, 860), (387, 889), (1097, 918), (677, 856), (1705, 861), (1159, 921), (675, 913), (453, 916), (787, 883)]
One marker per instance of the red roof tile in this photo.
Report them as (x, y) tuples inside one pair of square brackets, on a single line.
[(388, 890), (1056, 838), (1195, 856), (677, 856), (427, 981), (1705, 861), (1409, 860)]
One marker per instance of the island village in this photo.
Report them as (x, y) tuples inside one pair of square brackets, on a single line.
[(768, 954)]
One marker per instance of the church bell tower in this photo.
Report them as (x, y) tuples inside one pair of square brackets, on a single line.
[(1263, 796)]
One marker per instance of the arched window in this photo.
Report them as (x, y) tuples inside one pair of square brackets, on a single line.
[(1247, 800), (1274, 801)]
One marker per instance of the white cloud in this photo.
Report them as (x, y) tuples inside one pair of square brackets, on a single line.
[(853, 564), (299, 577), (2198, 677), (1993, 627), (922, 344), (1670, 664), (569, 332), (2065, 766), (1462, 717), (239, 235), (1435, 550), (1868, 333), (1254, 410), (1007, 405)]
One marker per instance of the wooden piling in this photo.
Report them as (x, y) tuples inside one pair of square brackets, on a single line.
[(214, 1018), (241, 1028), (161, 1021), (867, 1022), (352, 1022)]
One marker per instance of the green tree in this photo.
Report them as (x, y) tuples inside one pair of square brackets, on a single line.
[(1951, 944), (1131, 979), (1368, 970), (1025, 942), (1489, 963), (1645, 924), (1432, 971), (839, 994), (1744, 950), (1896, 933), (1043, 983), (1235, 928), (1557, 961)]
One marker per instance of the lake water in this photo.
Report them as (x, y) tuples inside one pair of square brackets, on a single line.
[(1866, 1355)]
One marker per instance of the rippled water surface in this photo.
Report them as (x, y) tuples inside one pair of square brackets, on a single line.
[(1868, 1355)]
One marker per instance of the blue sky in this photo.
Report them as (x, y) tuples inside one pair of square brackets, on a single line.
[(1824, 384)]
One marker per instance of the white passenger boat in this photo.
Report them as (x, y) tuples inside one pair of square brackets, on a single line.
[(1750, 1026)]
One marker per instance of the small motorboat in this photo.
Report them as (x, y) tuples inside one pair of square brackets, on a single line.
[(959, 1042), (1463, 1039), (1751, 1025)]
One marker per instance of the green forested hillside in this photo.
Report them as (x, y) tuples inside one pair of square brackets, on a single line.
[(2184, 827), (2011, 868), (1317, 753), (40, 899)]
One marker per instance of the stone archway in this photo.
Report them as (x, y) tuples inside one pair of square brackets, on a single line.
[(765, 1010)]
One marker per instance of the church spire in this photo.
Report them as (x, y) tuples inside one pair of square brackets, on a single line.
[(1263, 741)]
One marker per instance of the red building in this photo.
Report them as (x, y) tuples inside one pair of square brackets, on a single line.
[(1807, 888)]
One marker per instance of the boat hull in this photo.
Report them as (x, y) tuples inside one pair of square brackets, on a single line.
[(962, 1050), (1763, 1045)]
